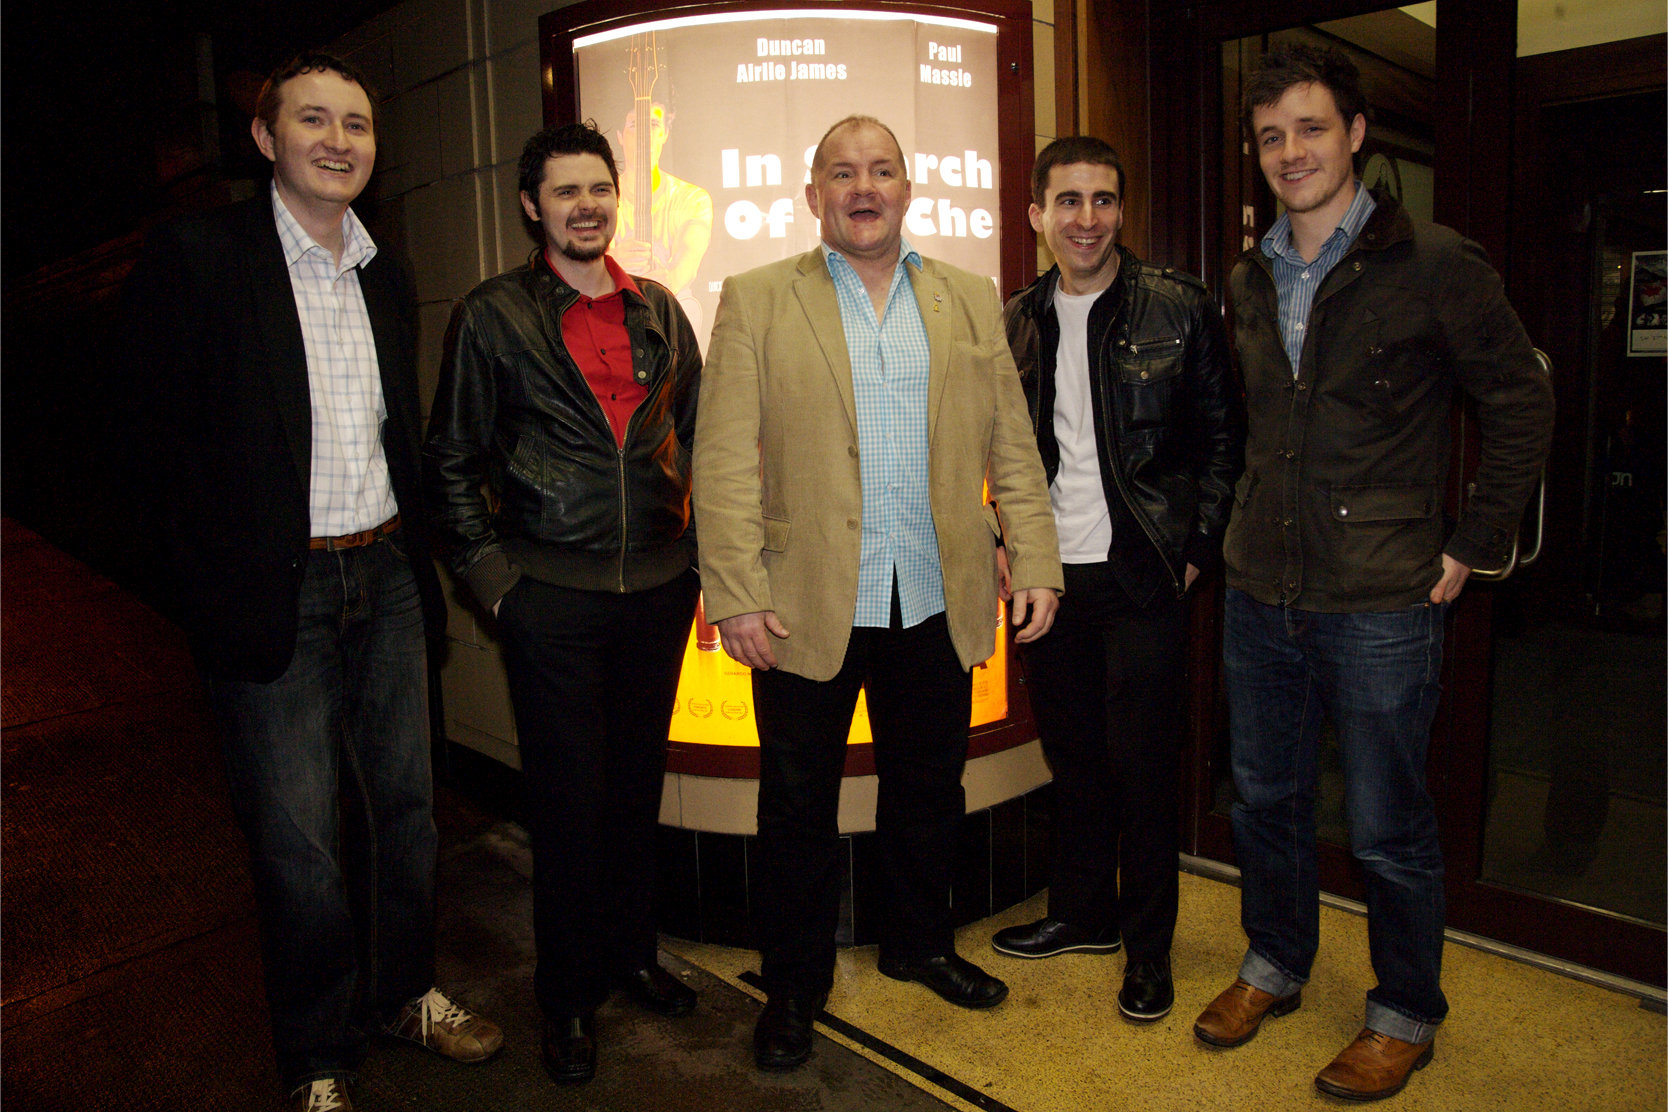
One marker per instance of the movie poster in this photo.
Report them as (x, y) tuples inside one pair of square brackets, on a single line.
[(735, 105)]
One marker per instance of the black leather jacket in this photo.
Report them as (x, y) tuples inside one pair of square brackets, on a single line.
[(1167, 414), (514, 412), (1341, 506)]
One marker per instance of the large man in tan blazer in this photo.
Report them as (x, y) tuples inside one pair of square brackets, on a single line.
[(855, 401)]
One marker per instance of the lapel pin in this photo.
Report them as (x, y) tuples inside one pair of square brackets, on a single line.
[(937, 301)]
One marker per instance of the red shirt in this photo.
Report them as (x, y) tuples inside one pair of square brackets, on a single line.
[(593, 328)]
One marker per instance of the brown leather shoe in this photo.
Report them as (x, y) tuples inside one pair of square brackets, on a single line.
[(1373, 1067), (1233, 1017)]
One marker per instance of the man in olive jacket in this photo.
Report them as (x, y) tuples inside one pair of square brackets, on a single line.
[(1354, 324)]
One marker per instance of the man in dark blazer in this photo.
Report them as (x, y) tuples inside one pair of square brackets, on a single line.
[(277, 346)]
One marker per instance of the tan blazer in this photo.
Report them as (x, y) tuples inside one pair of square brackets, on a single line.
[(777, 490)]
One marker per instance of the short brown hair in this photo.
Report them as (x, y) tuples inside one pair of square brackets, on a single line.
[(1068, 151), (1299, 63), (310, 61)]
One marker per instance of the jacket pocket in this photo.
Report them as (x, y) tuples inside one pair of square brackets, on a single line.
[(1384, 502), (1152, 359), (776, 534)]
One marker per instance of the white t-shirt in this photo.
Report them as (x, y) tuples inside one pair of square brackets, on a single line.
[(1079, 498)]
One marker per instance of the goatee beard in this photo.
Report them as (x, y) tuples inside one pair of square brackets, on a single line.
[(583, 254)]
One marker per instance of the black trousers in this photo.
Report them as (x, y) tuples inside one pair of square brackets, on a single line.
[(1108, 686), (920, 699), (593, 676)]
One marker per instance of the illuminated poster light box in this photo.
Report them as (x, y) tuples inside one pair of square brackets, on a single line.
[(735, 102)]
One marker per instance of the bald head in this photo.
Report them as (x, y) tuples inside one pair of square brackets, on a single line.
[(820, 159)]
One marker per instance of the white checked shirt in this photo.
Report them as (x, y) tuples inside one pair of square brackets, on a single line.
[(890, 365), (1296, 281), (349, 489)]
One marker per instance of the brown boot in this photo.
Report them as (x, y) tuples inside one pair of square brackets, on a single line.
[(1233, 1018), (1373, 1067)]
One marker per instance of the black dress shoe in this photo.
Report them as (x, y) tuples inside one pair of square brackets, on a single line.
[(782, 1037), (569, 1049), (1148, 991), (1047, 937), (951, 976), (659, 991)]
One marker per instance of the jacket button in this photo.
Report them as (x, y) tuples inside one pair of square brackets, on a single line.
[(642, 376), (851, 450), (1289, 454), (1146, 375), (1291, 584), (1286, 523), (1343, 511), (1358, 264), (851, 523), (1303, 386)]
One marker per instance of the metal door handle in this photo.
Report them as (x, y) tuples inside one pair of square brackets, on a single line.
[(1515, 561)]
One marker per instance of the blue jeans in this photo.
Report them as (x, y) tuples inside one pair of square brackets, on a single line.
[(1377, 675), (346, 897)]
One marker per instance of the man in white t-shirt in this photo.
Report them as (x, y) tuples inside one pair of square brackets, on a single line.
[(1141, 434)]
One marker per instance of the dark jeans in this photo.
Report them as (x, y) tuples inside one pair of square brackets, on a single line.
[(346, 900), (1377, 675), (593, 676), (920, 700), (1108, 687)]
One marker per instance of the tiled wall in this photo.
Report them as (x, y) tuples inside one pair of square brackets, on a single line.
[(460, 87)]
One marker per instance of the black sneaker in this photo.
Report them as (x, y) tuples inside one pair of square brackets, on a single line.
[(1047, 937)]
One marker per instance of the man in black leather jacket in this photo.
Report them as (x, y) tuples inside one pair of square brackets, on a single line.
[(568, 391), (1139, 427)]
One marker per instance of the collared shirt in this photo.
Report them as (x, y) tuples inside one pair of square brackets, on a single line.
[(1296, 281), (890, 365), (594, 332), (348, 490)]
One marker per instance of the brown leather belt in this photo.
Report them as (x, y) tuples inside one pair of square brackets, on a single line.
[(354, 540)]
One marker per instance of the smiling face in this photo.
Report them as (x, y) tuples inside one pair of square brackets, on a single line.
[(1080, 223), (321, 144), (1307, 149), (860, 191), (577, 206)]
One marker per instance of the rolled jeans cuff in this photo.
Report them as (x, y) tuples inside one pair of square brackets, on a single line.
[(1258, 972), (1386, 1020)]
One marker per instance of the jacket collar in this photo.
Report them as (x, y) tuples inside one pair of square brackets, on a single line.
[(546, 278), (1039, 295), (1388, 225)]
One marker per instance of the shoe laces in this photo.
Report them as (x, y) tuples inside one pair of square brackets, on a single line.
[(324, 1095), (436, 1009)]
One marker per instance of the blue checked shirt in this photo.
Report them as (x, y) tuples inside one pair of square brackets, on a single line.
[(1296, 281), (349, 489), (890, 364)]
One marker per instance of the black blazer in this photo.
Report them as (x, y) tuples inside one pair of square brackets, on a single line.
[(225, 429)]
